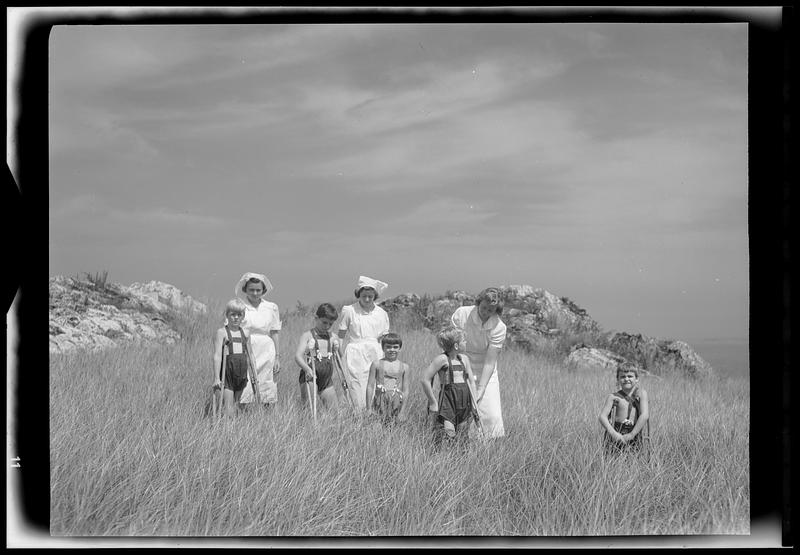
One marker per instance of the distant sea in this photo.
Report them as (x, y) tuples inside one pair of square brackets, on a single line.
[(728, 357)]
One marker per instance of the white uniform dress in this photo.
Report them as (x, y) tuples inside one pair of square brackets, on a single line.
[(361, 346), (479, 336), (258, 322)]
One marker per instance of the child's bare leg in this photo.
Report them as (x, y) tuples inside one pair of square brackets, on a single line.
[(448, 430), (328, 397), (303, 395), (397, 403), (227, 402)]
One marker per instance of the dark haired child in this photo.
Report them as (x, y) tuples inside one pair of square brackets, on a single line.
[(625, 412), (454, 408), (318, 345), (231, 357), (389, 382)]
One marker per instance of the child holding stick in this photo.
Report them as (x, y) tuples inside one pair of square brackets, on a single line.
[(231, 358), (317, 347), (625, 412)]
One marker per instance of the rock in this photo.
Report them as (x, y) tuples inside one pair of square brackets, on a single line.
[(166, 298), (534, 317), (665, 354), (593, 358), (90, 316), (539, 321)]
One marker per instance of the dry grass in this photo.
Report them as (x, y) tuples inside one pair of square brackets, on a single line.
[(132, 454)]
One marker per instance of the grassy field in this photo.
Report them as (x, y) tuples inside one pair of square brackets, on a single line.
[(131, 454)]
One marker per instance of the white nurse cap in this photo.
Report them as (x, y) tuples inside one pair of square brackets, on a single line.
[(364, 281)]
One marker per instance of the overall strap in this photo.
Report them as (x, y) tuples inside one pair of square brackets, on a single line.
[(633, 402), (316, 336), (449, 368), (231, 340)]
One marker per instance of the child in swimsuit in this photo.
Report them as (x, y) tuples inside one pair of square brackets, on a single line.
[(454, 408), (319, 345), (388, 382), (231, 357), (625, 412)]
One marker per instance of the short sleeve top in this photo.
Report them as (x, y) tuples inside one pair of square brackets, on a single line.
[(361, 325), (262, 320), (479, 335)]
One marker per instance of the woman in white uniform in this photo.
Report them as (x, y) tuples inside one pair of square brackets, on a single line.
[(262, 324), (361, 326), (485, 334)]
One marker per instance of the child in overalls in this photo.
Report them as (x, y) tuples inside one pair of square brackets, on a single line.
[(231, 359), (625, 412), (318, 344), (454, 407), (388, 383)]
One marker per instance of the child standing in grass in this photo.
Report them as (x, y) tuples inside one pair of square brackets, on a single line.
[(318, 344), (625, 412), (231, 357), (454, 408), (388, 383)]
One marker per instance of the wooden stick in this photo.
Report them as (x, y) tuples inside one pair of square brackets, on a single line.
[(337, 363), (314, 388), (251, 370), (474, 402)]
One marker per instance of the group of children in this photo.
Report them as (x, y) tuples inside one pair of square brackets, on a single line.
[(624, 415)]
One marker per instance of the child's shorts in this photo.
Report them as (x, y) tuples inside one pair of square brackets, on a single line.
[(236, 372), (612, 446), (324, 370), (455, 404), (387, 403)]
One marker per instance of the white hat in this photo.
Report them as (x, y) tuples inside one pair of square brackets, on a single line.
[(241, 294), (364, 281)]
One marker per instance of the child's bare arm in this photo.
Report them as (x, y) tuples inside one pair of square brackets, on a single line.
[(300, 354), (427, 376), (406, 381), (219, 338), (604, 414), (641, 418), (371, 382), (405, 388)]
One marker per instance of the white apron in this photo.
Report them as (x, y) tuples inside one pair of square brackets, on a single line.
[(258, 322), (362, 348)]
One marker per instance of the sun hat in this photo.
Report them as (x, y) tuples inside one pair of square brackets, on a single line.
[(244, 279), (364, 281)]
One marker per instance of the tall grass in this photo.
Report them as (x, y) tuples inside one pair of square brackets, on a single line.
[(132, 454)]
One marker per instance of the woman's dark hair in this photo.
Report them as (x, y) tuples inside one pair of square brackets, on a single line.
[(254, 280), (494, 296), (391, 338), (360, 289), (327, 310)]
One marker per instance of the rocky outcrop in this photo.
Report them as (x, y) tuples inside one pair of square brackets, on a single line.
[(584, 357), (540, 321), (534, 317), (666, 354), (85, 314)]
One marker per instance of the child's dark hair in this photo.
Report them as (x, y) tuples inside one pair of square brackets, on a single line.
[(391, 338), (327, 310), (626, 366)]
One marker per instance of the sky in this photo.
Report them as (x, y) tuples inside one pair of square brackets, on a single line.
[(603, 162)]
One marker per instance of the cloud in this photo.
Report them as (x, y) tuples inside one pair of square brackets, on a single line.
[(88, 210)]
